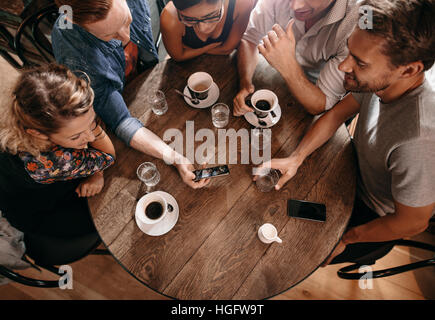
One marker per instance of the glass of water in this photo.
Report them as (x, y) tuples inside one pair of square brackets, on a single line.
[(267, 179), (220, 114), (158, 102), (148, 174)]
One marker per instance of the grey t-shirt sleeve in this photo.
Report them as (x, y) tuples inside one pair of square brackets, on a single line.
[(412, 168), (359, 97)]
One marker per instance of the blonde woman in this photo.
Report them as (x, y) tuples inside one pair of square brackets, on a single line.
[(52, 156)]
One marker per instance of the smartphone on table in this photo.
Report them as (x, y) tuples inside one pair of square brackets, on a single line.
[(306, 210), (211, 172)]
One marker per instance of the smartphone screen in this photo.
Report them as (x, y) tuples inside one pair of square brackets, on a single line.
[(306, 210), (211, 172)]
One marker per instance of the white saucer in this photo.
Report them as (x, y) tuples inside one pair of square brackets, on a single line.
[(167, 223), (252, 118), (213, 96)]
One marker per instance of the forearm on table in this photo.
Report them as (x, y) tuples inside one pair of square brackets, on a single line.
[(247, 59), (306, 93), (221, 50), (146, 141), (187, 53), (321, 131)]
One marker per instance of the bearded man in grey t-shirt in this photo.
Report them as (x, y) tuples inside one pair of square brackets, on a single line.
[(395, 134)]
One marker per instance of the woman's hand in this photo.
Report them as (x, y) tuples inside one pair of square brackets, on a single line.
[(91, 186)]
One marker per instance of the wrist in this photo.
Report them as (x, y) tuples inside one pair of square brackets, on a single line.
[(98, 174), (291, 69), (296, 158), (246, 85)]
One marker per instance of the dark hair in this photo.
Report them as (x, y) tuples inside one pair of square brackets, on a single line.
[(184, 4), (408, 30), (87, 11)]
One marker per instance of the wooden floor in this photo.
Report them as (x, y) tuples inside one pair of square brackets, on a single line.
[(101, 277)]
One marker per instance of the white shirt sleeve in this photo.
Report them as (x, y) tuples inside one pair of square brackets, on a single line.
[(261, 21), (331, 79)]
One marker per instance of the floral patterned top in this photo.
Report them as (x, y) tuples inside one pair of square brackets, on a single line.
[(61, 164)]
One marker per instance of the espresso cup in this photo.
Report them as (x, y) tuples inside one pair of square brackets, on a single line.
[(264, 102), (199, 85), (152, 208)]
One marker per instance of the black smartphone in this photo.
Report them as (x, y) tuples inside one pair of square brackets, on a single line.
[(306, 210), (211, 172)]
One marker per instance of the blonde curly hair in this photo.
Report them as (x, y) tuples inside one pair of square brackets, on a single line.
[(43, 99)]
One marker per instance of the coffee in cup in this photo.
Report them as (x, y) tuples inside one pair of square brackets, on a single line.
[(154, 210), (199, 85), (264, 102), (263, 105)]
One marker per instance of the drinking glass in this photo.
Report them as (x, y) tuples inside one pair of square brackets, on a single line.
[(220, 114), (158, 102), (148, 174), (267, 179)]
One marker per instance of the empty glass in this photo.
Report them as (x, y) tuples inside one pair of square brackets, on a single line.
[(220, 114), (267, 179), (148, 174), (158, 102)]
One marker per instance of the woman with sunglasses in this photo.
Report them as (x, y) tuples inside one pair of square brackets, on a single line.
[(194, 27)]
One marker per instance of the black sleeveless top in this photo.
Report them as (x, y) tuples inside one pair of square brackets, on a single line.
[(191, 40)]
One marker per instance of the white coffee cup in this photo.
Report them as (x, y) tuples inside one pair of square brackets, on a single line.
[(270, 98), (199, 85), (152, 208), (268, 233)]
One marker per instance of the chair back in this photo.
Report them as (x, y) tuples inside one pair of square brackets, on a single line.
[(32, 41), (370, 259)]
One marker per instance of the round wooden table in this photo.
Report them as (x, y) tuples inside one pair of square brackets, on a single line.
[(213, 252)]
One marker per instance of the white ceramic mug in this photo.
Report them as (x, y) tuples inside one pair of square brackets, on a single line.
[(268, 233), (199, 85), (145, 201), (268, 96)]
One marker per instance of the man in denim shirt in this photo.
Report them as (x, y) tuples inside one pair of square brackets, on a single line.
[(94, 42)]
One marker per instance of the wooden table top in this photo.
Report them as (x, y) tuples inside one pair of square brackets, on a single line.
[(213, 252)]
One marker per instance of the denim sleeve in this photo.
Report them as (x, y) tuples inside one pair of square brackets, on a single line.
[(114, 113)]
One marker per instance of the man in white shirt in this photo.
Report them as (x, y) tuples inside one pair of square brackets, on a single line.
[(305, 41)]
